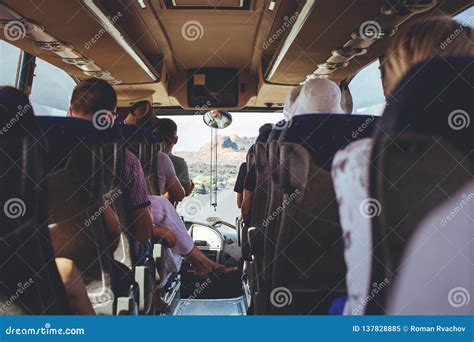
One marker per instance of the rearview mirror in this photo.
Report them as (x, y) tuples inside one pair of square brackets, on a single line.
[(217, 119)]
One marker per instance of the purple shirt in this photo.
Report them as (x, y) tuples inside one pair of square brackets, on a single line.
[(165, 171), (136, 196)]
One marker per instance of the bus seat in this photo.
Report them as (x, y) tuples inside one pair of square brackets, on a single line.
[(144, 146), (350, 176), (142, 143), (76, 164), (436, 274), (422, 155), (29, 280), (271, 221), (258, 212), (308, 258)]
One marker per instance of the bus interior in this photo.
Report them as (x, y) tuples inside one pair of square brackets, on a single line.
[(221, 69)]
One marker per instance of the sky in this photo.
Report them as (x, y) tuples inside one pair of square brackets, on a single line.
[(193, 132)]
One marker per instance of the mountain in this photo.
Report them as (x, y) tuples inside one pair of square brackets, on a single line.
[(232, 151), (232, 143)]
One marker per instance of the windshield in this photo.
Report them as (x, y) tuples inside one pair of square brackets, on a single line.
[(194, 145)]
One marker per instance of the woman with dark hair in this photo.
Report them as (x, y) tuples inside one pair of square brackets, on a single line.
[(17, 118)]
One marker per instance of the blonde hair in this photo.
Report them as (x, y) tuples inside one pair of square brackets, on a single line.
[(424, 39)]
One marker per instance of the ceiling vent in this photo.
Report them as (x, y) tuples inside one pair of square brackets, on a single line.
[(208, 4)]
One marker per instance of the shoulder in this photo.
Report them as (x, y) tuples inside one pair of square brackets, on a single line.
[(177, 160), (163, 157)]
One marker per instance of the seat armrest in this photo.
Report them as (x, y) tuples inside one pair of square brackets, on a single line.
[(255, 237)]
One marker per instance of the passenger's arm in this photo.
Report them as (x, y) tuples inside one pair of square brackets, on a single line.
[(174, 190), (142, 224), (246, 204), (75, 288), (112, 226), (164, 236), (188, 188), (141, 221), (240, 199)]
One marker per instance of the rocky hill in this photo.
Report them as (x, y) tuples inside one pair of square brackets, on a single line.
[(232, 151)]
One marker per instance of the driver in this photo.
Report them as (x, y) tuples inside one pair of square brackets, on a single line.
[(179, 244)]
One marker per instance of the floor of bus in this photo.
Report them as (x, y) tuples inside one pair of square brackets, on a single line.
[(220, 295), (211, 307)]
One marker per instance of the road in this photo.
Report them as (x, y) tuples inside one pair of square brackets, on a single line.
[(198, 208)]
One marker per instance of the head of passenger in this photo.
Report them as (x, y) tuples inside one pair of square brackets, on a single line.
[(290, 103), (16, 113), (318, 95), (265, 127), (93, 97), (141, 114), (422, 40), (168, 131)]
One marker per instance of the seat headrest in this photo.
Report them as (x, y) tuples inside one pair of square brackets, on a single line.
[(263, 137), (324, 134), (434, 98)]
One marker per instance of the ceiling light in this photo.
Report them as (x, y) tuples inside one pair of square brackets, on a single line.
[(272, 5), (295, 30), (142, 3), (119, 38)]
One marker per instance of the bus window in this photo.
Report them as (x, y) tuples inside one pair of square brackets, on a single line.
[(466, 17), (367, 91), (194, 145), (51, 91), (10, 56)]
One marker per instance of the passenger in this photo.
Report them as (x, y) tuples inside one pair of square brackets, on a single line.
[(350, 169), (168, 183), (11, 102), (420, 42), (318, 95), (96, 96), (141, 114), (239, 184), (165, 215), (168, 129), (93, 96), (250, 179)]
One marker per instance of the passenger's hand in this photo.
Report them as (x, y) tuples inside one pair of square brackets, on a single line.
[(164, 236), (169, 240)]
